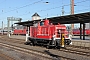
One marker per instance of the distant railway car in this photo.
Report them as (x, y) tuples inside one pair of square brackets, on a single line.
[(19, 32), (87, 31), (4, 32), (77, 32), (48, 34)]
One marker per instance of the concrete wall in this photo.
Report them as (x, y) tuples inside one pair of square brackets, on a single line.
[(82, 43)]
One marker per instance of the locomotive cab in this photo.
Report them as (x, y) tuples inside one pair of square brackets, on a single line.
[(58, 36)]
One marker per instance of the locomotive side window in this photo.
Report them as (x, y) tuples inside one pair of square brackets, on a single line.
[(41, 23), (58, 32)]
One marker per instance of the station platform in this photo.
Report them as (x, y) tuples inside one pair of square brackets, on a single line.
[(18, 37), (76, 41)]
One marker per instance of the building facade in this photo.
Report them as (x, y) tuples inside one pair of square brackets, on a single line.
[(35, 16)]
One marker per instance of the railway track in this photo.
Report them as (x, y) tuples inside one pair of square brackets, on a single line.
[(81, 47), (23, 50), (69, 49), (75, 50), (19, 41), (5, 57), (35, 52)]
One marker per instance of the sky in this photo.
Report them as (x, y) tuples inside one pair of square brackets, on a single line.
[(26, 8)]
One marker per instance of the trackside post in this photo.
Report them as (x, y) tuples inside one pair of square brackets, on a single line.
[(62, 40), (26, 37), (9, 34)]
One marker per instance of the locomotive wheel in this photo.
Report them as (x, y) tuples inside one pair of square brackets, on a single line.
[(27, 43), (67, 43), (58, 47), (31, 44), (47, 46)]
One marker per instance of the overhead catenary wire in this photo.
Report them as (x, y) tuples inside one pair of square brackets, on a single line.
[(61, 6), (44, 9), (23, 6), (55, 14), (58, 7), (41, 10)]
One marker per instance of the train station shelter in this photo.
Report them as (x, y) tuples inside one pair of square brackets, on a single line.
[(81, 18)]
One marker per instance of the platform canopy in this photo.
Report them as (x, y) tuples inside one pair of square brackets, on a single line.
[(27, 23), (68, 19), (75, 18)]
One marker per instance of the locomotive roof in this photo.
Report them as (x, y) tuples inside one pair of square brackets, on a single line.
[(68, 19)]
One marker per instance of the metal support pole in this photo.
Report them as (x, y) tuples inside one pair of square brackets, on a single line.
[(62, 10), (8, 27), (83, 31), (72, 6), (2, 27), (80, 31), (26, 37), (28, 31), (27, 34), (72, 12)]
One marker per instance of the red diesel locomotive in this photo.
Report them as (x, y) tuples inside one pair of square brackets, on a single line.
[(48, 34)]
